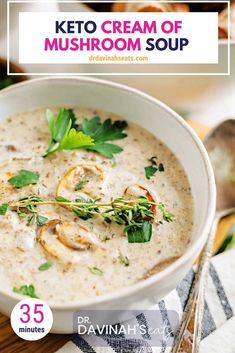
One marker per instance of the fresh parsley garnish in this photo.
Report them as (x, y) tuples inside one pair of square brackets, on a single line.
[(104, 132), (72, 116), (166, 215), (153, 168), (123, 259), (233, 179), (106, 149), (3, 209), (96, 271), (27, 290), (45, 266), (64, 135), (140, 234), (24, 178), (94, 135)]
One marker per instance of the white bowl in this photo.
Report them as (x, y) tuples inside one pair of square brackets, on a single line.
[(165, 124)]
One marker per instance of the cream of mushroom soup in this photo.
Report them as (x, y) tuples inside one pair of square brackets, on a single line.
[(80, 221)]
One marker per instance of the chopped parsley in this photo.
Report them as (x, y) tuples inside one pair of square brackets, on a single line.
[(24, 178), (45, 266), (96, 271), (233, 179), (152, 169), (27, 290), (161, 167), (3, 209), (123, 259)]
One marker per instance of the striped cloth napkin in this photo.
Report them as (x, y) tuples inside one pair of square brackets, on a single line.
[(218, 334)]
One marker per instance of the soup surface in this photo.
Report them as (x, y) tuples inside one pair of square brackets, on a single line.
[(69, 259)]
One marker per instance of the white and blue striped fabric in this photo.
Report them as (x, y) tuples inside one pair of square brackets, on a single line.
[(218, 322)]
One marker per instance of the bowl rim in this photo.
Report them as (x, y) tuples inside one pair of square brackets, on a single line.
[(193, 248)]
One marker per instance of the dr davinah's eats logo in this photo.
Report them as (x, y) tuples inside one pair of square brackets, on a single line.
[(148, 325)]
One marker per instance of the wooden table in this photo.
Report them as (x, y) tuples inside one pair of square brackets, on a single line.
[(11, 343)]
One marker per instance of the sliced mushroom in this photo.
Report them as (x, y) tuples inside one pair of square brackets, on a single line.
[(135, 190), (75, 236), (81, 181), (50, 237)]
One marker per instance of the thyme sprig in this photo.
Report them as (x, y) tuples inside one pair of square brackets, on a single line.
[(166, 215), (136, 215), (26, 209)]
